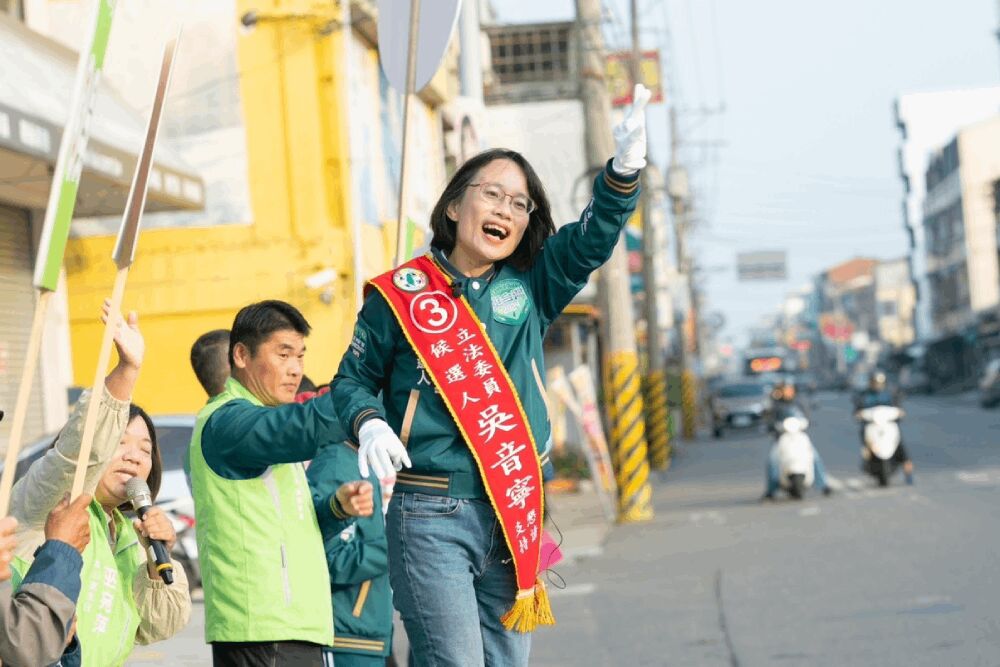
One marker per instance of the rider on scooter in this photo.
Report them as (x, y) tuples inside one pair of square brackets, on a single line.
[(785, 404), (877, 394)]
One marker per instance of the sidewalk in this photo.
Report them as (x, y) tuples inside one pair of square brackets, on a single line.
[(578, 517)]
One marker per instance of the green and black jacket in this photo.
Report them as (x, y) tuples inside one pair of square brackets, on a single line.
[(357, 556), (516, 308)]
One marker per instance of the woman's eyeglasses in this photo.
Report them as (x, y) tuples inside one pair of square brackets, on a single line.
[(494, 194)]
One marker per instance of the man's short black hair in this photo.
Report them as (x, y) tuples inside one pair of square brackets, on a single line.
[(210, 360), (256, 322)]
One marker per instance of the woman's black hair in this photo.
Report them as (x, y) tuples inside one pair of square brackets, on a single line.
[(540, 225), (155, 477)]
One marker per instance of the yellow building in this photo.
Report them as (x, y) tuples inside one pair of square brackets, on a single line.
[(314, 183)]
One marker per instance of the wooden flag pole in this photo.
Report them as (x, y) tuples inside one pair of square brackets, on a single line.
[(124, 254), (21, 405), (97, 388), (411, 75)]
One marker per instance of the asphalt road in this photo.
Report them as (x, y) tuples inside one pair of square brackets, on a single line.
[(899, 576)]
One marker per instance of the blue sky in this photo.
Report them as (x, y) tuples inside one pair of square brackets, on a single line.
[(808, 161)]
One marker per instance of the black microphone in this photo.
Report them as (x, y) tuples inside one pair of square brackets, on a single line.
[(456, 288), (142, 500)]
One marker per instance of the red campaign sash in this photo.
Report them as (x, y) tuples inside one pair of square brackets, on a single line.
[(456, 352)]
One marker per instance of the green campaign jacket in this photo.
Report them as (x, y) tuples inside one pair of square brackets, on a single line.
[(357, 556), (516, 308)]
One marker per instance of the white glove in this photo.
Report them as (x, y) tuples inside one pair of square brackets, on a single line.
[(630, 135), (381, 449)]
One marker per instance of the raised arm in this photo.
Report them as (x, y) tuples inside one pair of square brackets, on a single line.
[(51, 476), (575, 251)]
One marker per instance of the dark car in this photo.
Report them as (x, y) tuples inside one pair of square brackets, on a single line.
[(739, 404)]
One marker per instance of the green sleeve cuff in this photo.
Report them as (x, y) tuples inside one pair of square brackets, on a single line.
[(623, 185), (336, 509)]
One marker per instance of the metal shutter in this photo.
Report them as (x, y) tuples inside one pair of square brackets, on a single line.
[(17, 305)]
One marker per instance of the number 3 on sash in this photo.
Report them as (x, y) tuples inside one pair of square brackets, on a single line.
[(433, 312)]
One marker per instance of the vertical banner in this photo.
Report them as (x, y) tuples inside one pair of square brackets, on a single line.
[(128, 234), (69, 164), (581, 400), (58, 216)]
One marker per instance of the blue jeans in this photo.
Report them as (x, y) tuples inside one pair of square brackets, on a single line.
[(452, 580), (774, 472)]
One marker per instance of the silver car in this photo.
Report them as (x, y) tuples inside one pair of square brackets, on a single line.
[(739, 404)]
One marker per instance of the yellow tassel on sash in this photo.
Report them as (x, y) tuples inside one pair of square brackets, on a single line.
[(531, 608)]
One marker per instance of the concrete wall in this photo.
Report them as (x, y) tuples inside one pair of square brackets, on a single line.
[(979, 159), (302, 199), (552, 141), (927, 121)]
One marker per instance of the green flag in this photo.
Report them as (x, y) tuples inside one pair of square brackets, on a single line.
[(409, 238), (69, 163)]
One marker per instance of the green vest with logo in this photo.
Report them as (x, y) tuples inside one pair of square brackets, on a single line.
[(107, 618), (262, 559)]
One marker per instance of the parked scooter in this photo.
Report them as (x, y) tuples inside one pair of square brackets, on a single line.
[(881, 438), (795, 454), (185, 551)]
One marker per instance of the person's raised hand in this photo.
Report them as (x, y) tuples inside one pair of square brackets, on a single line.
[(630, 135), (356, 498), (8, 542), (69, 522), (128, 339), (381, 449)]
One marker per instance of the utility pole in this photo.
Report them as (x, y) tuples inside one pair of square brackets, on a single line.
[(677, 188), (655, 384), (622, 385)]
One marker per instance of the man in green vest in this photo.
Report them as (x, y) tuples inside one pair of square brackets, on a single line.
[(267, 591)]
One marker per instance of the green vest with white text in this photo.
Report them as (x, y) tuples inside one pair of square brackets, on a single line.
[(107, 618), (262, 559)]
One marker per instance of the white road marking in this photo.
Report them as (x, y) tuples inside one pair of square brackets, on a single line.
[(975, 478), (854, 483), (714, 518), (573, 553), (809, 511)]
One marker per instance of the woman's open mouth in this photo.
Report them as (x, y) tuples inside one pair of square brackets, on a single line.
[(496, 231)]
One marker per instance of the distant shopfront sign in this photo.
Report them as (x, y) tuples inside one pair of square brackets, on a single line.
[(762, 265), (620, 81)]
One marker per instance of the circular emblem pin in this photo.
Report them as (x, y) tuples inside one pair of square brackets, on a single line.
[(409, 279)]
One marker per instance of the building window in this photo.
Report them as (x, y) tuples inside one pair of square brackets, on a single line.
[(525, 54)]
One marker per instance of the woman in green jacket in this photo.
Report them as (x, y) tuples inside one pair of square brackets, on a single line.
[(496, 248)]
